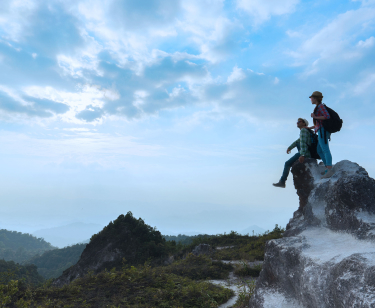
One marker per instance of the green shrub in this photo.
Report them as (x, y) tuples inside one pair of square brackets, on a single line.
[(247, 289), (245, 270), (201, 267)]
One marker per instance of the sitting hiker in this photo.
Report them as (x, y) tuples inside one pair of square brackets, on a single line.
[(302, 145)]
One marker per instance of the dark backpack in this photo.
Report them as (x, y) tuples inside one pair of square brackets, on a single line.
[(313, 147), (334, 123)]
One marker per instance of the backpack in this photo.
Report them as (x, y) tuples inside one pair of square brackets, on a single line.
[(334, 123), (313, 147)]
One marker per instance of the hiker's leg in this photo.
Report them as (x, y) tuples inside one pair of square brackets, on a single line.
[(325, 148), (321, 154), (288, 164)]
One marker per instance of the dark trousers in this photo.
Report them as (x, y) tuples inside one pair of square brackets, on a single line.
[(289, 163)]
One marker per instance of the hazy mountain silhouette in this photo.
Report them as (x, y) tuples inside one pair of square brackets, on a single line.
[(73, 233)]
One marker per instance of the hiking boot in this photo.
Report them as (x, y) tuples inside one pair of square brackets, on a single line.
[(329, 173), (324, 172), (281, 184)]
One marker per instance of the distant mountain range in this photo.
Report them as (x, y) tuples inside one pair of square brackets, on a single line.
[(70, 234)]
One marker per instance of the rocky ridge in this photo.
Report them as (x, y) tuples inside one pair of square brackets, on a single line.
[(327, 255)]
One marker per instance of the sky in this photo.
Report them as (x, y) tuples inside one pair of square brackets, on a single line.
[(178, 111)]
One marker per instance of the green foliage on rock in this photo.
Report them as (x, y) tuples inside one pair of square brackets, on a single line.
[(19, 247), (135, 239), (52, 263)]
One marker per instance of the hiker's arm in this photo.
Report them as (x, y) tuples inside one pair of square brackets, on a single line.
[(292, 146)]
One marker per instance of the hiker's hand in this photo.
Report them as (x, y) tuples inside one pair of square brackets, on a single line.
[(301, 159), (313, 115), (288, 151)]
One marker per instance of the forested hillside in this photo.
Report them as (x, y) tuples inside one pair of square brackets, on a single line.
[(12, 271), (19, 247), (52, 263), (145, 270)]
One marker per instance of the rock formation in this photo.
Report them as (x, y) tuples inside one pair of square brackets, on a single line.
[(327, 255), (125, 241)]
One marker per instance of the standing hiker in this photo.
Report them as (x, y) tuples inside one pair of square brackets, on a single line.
[(319, 115), (302, 145)]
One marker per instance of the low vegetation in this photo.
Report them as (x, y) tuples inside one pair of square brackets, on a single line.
[(137, 287), (246, 291), (200, 267), (141, 279), (234, 246), (244, 269)]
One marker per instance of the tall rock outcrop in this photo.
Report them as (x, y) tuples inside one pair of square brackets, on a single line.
[(327, 255), (126, 239)]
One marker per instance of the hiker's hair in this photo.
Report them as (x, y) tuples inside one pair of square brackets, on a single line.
[(319, 99)]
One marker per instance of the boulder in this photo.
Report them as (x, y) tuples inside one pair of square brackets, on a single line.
[(327, 255)]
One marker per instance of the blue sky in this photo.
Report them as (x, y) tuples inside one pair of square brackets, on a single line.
[(179, 111)]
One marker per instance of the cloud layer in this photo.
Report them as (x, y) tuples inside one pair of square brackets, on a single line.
[(93, 61)]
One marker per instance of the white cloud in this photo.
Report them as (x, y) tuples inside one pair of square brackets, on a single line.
[(263, 10), (78, 129), (14, 17), (291, 33), (236, 75), (367, 43), (87, 95), (205, 24), (276, 80), (14, 95), (365, 84), (335, 41)]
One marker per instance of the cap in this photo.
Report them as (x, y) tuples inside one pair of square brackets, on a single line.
[(317, 94), (306, 122)]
